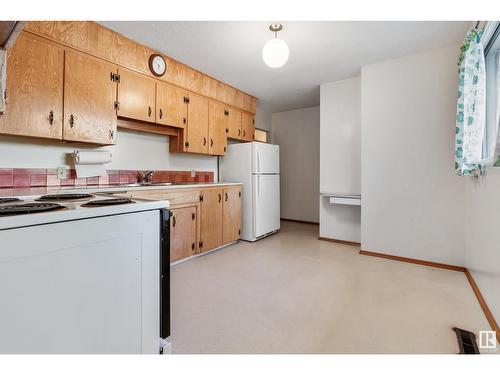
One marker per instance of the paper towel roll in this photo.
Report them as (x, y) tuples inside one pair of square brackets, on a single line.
[(91, 163)]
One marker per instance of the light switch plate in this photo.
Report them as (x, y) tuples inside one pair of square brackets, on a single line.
[(61, 173), (193, 173)]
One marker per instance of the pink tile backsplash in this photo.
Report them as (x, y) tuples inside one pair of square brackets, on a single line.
[(39, 177)]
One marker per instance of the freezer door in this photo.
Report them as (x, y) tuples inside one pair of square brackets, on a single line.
[(266, 204), (266, 158)]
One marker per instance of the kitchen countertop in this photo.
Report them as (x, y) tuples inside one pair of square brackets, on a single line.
[(27, 191)]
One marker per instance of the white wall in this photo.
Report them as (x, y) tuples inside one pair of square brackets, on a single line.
[(263, 118), (482, 253), (340, 157), (297, 134), (412, 199), (133, 150)]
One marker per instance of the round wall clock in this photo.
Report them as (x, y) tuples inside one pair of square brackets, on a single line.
[(157, 65)]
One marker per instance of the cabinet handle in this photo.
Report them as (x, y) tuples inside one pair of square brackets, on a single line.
[(227, 130), (173, 221), (193, 216), (161, 113), (51, 117), (204, 141), (211, 142), (243, 133), (225, 196), (239, 132), (71, 121), (224, 148), (220, 197), (239, 194), (111, 134), (192, 246), (149, 111), (183, 120)]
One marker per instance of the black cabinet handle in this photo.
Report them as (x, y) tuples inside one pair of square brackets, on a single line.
[(220, 197), (173, 221), (239, 132), (225, 196), (71, 121), (51, 117), (149, 111), (161, 113), (244, 133), (211, 142), (204, 141)]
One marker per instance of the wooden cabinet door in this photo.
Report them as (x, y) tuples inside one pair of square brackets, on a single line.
[(182, 233), (89, 99), (34, 89), (211, 219), (231, 214), (136, 96), (171, 106), (197, 126), (217, 124), (234, 123), (247, 126)]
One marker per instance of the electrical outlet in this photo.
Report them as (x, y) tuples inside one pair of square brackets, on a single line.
[(193, 173), (61, 173)]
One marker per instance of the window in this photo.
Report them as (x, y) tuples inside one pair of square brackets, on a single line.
[(491, 146)]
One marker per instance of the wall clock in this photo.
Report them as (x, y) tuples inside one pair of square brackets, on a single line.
[(157, 65)]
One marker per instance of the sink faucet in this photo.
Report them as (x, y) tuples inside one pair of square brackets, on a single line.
[(146, 176)]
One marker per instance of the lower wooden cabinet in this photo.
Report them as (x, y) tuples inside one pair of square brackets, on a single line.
[(183, 233), (231, 214), (202, 219), (211, 219)]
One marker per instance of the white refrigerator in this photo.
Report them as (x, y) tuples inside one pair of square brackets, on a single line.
[(256, 165)]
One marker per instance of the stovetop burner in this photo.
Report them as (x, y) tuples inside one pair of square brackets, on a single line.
[(64, 197), (9, 199), (107, 202), (28, 208)]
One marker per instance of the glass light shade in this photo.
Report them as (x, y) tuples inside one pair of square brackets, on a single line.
[(275, 53)]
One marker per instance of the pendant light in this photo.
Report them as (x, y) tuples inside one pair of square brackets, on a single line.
[(275, 52)]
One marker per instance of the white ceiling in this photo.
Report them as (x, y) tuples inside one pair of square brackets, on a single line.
[(319, 51)]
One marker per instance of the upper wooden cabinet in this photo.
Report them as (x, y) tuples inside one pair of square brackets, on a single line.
[(231, 214), (247, 126), (233, 123), (211, 219), (197, 125), (217, 125), (171, 105), (136, 96), (34, 89), (89, 99)]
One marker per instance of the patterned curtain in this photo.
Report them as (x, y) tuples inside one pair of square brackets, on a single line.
[(471, 103)]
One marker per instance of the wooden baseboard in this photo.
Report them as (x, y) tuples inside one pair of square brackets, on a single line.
[(343, 242), (486, 310), (415, 261), (300, 221)]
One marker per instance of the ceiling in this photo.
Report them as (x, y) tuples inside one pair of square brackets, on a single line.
[(319, 51)]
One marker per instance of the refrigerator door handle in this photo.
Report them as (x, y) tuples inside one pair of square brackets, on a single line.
[(258, 162), (258, 185)]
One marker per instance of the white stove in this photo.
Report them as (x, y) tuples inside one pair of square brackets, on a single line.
[(22, 211), (83, 274)]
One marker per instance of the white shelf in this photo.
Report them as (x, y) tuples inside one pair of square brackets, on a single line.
[(343, 198)]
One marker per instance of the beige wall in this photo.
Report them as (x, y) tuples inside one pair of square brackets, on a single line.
[(297, 134), (412, 201), (340, 158), (482, 251), (133, 150)]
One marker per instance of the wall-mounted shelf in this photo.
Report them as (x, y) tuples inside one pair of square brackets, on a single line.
[(343, 198)]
